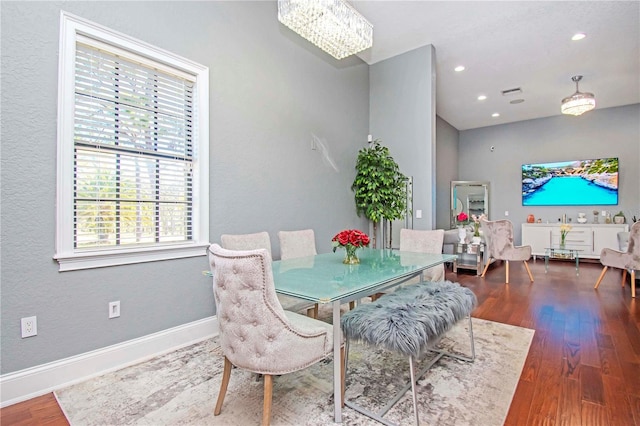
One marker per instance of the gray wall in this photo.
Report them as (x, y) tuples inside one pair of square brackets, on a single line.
[(446, 170), (403, 117), (611, 132), (271, 91)]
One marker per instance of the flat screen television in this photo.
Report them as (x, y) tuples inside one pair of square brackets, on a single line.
[(571, 183)]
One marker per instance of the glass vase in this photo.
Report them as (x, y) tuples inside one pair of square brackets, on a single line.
[(351, 258), (562, 242)]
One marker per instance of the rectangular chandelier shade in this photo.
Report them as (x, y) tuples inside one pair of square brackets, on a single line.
[(332, 25)]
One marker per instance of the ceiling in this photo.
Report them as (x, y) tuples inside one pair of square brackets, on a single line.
[(513, 44)]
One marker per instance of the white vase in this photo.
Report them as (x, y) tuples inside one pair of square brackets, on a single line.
[(476, 240), (462, 235)]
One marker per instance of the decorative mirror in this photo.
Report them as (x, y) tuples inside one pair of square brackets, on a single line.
[(471, 197)]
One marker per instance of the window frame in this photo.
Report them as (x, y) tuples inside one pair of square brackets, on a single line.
[(71, 28)]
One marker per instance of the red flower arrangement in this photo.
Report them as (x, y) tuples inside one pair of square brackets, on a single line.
[(351, 240), (350, 237), (462, 217)]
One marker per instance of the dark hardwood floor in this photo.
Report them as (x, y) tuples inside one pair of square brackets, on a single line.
[(583, 366)]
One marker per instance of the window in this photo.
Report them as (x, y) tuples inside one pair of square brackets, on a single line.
[(132, 150)]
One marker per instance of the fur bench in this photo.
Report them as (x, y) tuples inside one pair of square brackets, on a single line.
[(410, 321)]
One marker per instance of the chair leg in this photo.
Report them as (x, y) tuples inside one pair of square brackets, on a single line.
[(268, 394), (604, 270), (526, 265), (313, 311), (624, 276), (633, 283), (485, 268), (223, 386), (352, 305), (506, 262)]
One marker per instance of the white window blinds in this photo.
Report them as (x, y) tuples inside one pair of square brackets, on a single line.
[(133, 151)]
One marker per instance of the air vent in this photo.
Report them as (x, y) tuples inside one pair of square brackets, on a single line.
[(511, 91), (516, 101)]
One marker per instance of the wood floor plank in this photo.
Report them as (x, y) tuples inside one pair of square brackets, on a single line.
[(570, 406), (634, 402), (591, 384), (619, 411), (594, 415), (546, 397), (43, 410), (589, 345)]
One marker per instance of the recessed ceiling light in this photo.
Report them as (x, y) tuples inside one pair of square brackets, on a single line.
[(459, 68), (482, 97), (578, 36), (495, 114)]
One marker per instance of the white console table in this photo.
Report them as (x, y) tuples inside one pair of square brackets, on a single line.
[(588, 238)]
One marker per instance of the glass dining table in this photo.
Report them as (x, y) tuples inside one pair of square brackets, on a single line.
[(325, 279)]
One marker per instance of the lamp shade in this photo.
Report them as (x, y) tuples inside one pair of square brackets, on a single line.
[(332, 25), (579, 102)]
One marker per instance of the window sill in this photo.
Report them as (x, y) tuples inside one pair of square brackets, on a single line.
[(102, 259)]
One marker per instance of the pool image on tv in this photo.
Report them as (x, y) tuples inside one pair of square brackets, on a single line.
[(571, 183)]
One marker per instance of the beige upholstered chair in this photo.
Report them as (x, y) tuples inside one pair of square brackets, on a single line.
[(627, 261), (246, 241), (262, 240), (296, 244), (498, 235), (424, 242), (256, 333)]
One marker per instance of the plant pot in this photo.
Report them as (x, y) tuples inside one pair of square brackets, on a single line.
[(618, 219), (476, 240)]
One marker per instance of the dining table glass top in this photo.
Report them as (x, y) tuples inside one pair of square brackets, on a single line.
[(324, 278)]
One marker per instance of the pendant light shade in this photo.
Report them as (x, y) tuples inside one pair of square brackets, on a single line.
[(579, 102)]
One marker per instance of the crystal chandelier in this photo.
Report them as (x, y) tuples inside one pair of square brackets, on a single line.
[(332, 25), (579, 102)]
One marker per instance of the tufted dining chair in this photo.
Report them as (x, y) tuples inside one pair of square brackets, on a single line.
[(429, 241), (256, 333), (499, 239), (628, 260), (294, 244), (297, 244), (257, 241), (246, 241)]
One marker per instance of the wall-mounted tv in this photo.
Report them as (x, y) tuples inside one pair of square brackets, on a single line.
[(571, 183)]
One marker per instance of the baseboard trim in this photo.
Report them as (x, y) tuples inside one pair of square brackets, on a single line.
[(36, 381)]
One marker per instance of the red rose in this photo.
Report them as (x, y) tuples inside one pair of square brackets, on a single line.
[(343, 238)]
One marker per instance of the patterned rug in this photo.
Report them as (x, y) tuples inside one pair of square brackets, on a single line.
[(180, 388)]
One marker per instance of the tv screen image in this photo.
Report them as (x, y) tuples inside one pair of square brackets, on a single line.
[(571, 183)]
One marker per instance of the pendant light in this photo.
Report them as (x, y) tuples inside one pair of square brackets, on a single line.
[(579, 102)]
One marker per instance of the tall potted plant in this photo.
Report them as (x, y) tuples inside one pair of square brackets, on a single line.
[(380, 188)]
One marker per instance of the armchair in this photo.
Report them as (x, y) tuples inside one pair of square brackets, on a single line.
[(498, 235), (628, 260)]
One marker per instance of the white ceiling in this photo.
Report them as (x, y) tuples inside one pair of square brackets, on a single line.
[(509, 44)]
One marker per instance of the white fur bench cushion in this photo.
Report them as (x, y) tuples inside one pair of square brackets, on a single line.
[(408, 320)]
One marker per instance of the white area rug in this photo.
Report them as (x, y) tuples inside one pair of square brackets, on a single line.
[(181, 388)]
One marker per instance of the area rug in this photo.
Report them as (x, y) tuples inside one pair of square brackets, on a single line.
[(180, 388)]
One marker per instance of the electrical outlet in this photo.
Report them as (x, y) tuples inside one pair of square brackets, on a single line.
[(29, 326), (114, 309)]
